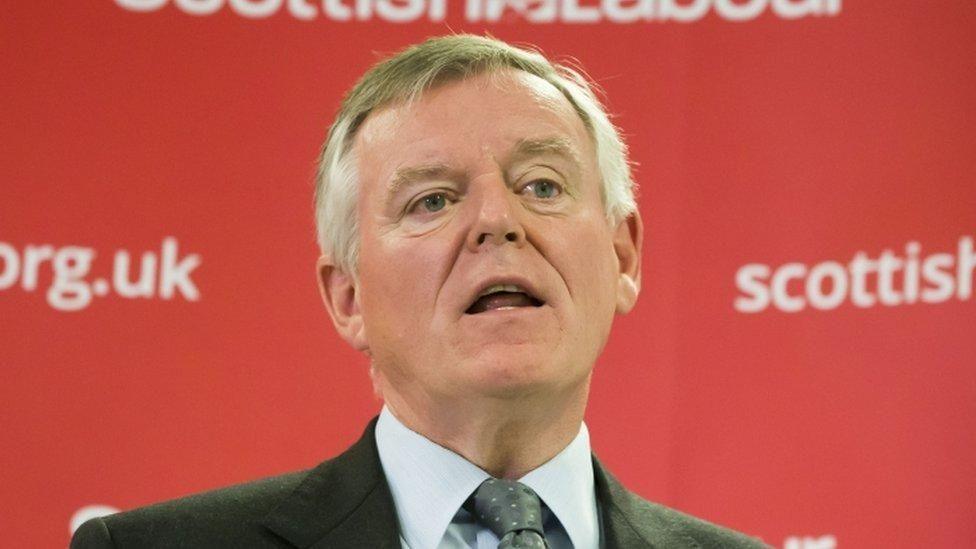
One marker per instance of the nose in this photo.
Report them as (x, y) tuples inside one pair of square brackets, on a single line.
[(496, 221)]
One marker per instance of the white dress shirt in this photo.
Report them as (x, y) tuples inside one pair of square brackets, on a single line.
[(430, 483)]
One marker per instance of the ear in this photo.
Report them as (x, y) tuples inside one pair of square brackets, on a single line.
[(339, 292), (627, 241)]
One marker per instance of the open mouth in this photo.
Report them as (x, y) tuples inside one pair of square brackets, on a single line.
[(503, 296)]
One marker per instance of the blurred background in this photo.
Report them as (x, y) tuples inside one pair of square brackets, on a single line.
[(800, 365)]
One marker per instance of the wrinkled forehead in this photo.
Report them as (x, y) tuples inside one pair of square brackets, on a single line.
[(489, 109)]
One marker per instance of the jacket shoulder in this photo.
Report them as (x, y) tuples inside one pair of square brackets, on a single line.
[(692, 531), (342, 502), (226, 517), (630, 521)]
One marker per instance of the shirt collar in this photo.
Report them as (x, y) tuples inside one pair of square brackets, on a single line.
[(565, 483), (429, 483)]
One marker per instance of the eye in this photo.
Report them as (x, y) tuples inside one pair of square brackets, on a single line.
[(544, 188), (431, 203)]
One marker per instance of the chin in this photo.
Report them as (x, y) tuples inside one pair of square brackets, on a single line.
[(513, 373)]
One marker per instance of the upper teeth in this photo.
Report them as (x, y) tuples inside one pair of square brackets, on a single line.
[(501, 288)]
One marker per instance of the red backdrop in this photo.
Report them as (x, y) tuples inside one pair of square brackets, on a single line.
[(801, 362)]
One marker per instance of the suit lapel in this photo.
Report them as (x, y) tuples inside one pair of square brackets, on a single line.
[(344, 502), (618, 530), (628, 521)]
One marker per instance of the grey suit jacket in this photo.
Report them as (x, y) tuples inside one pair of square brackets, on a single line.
[(345, 503)]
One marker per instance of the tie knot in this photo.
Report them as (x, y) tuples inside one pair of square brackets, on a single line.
[(507, 506)]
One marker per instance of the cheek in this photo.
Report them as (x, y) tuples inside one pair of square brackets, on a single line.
[(593, 267), (400, 285)]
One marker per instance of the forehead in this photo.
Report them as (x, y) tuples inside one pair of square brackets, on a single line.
[(465, 121)]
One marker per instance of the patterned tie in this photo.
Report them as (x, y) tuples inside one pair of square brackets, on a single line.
[(512, 511)]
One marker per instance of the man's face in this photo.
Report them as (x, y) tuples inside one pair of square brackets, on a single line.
[(489, 186)]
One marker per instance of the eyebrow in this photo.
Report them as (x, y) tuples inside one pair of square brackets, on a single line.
[(404, 177), (558, 146), (524, 148)]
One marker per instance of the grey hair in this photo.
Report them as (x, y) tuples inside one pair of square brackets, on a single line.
[(404, 77)]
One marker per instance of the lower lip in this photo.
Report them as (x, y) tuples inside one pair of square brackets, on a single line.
[(505, 312)]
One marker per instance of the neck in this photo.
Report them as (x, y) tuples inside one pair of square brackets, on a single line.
[(506, 437)]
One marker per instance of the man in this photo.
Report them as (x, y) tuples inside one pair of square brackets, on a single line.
[(479, 233)]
